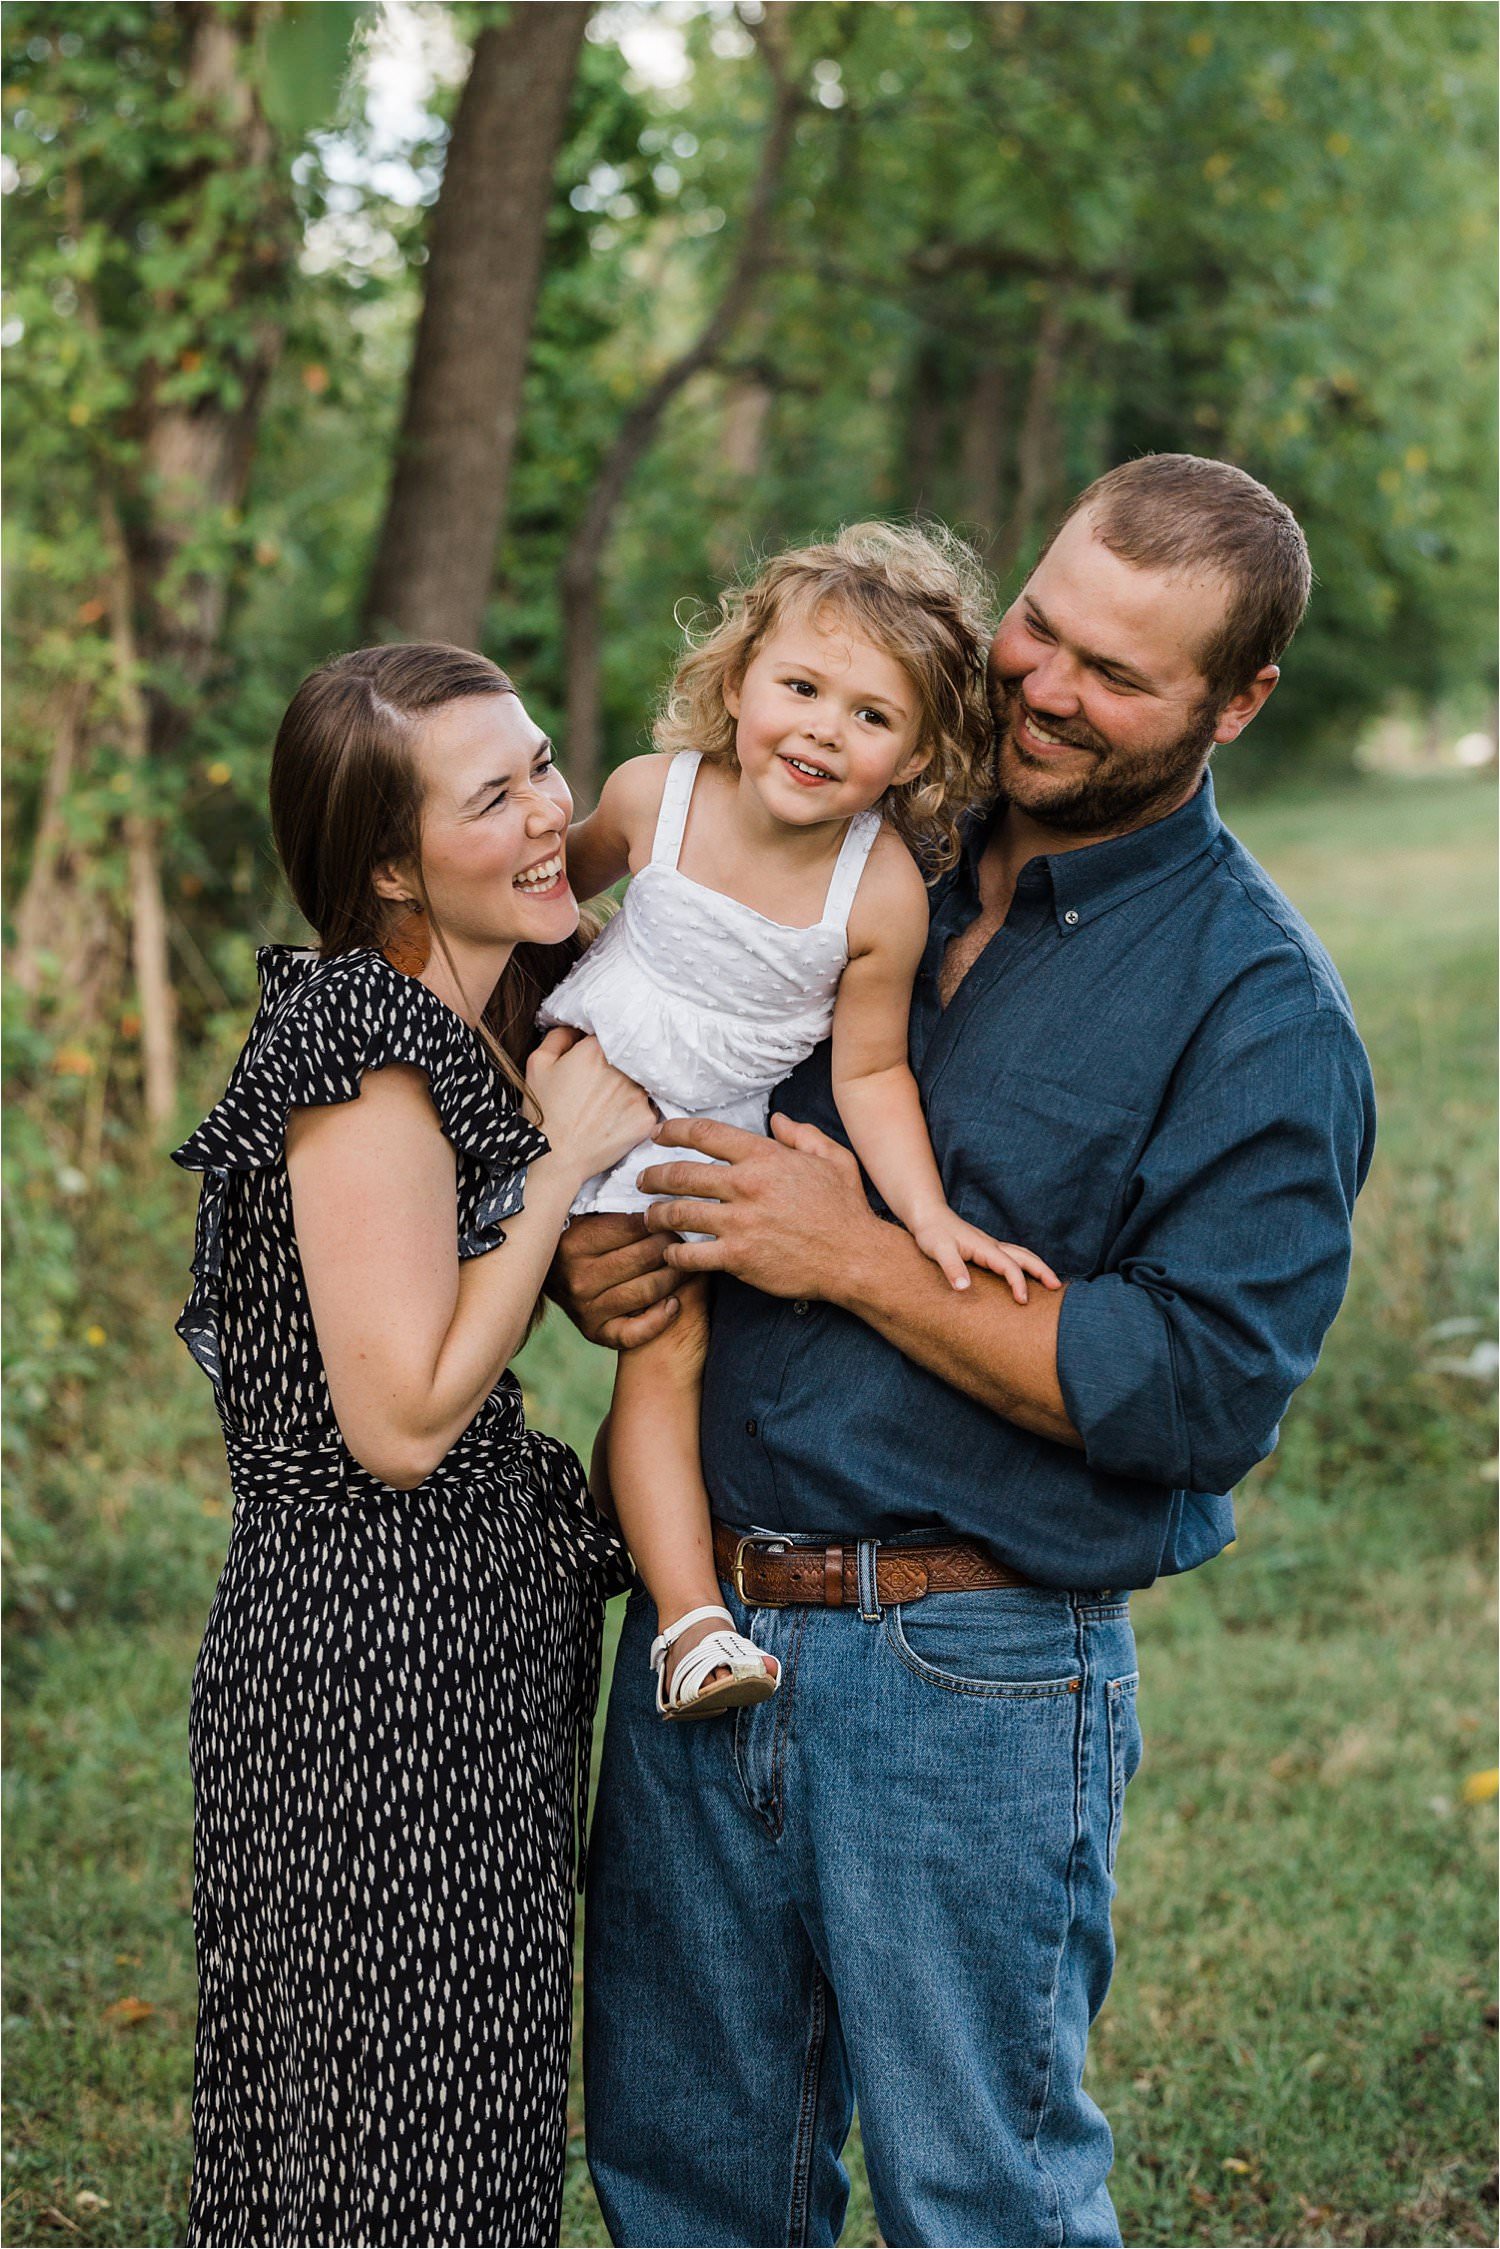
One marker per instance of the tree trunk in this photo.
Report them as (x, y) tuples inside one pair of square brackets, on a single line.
[(924, 429), (40, 916), (583, 562), (742, 444), (435, 562), (197, 457), (165, 615), (150, 958), (748, 400), (981, 466), (1036, 445)]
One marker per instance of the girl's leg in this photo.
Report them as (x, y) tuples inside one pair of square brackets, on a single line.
[(656, 1475)]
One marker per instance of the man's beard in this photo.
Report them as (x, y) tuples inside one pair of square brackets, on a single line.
[(1122, 789)]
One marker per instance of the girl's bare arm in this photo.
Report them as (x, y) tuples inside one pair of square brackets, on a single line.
[(616, 836), (873, 1084), (872, 1081)]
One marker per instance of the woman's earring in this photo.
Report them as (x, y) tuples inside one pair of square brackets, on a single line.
[(410, 941)]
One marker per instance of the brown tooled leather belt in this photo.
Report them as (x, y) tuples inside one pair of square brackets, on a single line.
[(766, 1573)]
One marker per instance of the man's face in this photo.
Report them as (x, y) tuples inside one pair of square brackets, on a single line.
[(1103, 719)]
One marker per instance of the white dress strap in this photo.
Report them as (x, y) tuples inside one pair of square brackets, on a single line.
[(855, 849), (671, 818)]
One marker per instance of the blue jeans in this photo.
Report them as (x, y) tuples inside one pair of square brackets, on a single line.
[(889, 1885)]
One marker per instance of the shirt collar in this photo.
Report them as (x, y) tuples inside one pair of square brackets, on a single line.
[(1098, 876)]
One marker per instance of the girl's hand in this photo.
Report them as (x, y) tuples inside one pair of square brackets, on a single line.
[(592, 1113), (954, 1245)]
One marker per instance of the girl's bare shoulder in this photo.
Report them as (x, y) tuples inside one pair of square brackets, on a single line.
[(633, 790), (630, 803), (890, 905)]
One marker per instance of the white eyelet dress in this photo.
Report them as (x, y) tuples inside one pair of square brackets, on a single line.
[(390, 1713), (706, 1003)]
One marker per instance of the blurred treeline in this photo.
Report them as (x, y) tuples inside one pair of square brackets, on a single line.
[(626, 294)]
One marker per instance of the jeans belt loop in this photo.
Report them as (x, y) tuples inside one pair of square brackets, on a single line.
[(869, 1592)]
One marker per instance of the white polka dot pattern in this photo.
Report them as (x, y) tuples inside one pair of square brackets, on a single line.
[(390, 1713), (702, 1000)]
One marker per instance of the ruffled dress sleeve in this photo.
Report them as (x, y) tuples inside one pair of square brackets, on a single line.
[(320, 1026)]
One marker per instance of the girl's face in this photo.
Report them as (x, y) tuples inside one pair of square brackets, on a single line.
[(826, 721), (495, 816)]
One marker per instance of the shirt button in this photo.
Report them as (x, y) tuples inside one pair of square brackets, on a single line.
[(1071, 918), (800, 1306), (751, 1428)]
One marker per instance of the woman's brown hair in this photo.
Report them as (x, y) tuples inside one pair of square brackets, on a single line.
[(914, 590), (346, 799)]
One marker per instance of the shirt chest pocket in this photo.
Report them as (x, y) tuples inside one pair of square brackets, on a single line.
[(1038, 1163)]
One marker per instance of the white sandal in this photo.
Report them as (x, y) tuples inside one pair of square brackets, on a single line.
[(748, 1681)]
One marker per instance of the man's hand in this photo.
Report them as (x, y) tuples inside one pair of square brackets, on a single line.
[(782, 1212), (789, 1216), (612, 1279)]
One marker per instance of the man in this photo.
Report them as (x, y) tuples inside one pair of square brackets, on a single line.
[(891, 1883)]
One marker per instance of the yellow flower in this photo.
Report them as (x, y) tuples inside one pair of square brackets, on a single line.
[(95, 1336), (219, 773), (1416, 459), (1338, 144), (1218, 164), (1479, 1788)]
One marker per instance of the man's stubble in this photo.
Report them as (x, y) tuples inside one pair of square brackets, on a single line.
[(1121, 791)]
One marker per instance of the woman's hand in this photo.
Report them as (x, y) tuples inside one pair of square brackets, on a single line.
[(592, 1113)]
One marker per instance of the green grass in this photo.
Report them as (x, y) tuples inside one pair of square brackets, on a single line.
[(1296, 2048)]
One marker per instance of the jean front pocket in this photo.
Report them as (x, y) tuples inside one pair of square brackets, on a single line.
[(1124, 1754), (1014, 1643)]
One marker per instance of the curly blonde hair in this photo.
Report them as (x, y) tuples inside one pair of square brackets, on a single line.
[(920, 594)]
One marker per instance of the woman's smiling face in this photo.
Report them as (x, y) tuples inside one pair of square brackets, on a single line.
[(495, 815)]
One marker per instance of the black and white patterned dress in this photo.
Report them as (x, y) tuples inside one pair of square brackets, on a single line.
[(390, 1714)]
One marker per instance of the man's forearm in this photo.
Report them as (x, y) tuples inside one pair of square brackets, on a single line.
[(979, 1340)]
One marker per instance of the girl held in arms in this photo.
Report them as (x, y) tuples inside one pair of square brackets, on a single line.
[(390, 1714), (824, 740)]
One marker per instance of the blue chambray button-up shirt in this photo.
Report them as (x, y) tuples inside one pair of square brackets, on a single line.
[(1151, 1076)]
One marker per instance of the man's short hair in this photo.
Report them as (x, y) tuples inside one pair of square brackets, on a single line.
[(1176, 511)]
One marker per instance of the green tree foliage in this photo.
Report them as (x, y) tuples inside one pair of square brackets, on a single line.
[(1027, 241), (1016, 242), (1013, 243), (155, 239)]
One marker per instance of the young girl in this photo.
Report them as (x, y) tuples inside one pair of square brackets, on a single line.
[(390, 1712), (827, 737)]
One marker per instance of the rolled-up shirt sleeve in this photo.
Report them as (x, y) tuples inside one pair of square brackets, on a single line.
[(1177, 1362)]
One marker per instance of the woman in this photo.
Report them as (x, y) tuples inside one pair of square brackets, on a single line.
[(390, 1714)]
